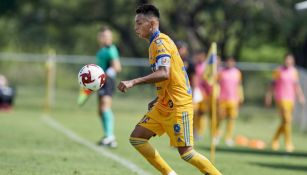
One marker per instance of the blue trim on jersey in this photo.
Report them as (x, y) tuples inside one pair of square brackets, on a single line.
[(161, 56), (154, 35)]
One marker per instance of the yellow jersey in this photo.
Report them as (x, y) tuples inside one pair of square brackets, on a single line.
[(174, 93)]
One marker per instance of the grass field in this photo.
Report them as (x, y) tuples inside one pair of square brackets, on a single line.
[(28, 146)]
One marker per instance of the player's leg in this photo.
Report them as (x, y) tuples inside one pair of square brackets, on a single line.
[(188, 154), (287, 120), (281, 127), (107, 120), (181, 136), (221, 115), (145, 129), (199, 121), (84, 95), (106, 113), (232, 113)]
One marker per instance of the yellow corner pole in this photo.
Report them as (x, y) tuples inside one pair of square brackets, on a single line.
[(213, 50), (50, 83)]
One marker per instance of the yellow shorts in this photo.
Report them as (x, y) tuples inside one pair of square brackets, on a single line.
[(178, 125), (228, 109), (286, 109), (201, 106)]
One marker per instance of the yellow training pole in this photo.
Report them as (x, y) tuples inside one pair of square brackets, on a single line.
[(50, 83), (213, 122), (213, 50)]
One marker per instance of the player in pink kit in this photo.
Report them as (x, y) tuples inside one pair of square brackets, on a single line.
[(230, 96), (285, 87), (200, 95)]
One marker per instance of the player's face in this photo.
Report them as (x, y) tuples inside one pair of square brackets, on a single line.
[(230, 63), (289, 61), (142, 26), (105, 38)]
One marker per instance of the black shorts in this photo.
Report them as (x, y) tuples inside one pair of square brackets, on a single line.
[(108, 88)]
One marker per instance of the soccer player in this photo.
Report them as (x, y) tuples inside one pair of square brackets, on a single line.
[(171, 111), (285, 87), (107, 58), (7, 94), (200, 94), (230, 96)]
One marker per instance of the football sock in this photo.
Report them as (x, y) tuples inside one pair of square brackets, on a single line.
[(200, 162), (83, 96), (151, 154), (287, 129), (229, 128), (107, 122), (279, 131)]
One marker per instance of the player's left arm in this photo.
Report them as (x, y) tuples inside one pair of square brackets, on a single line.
[(115, 63), (241, 92), (159, 75), (299, 91)]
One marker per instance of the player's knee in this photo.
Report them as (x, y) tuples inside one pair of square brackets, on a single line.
[(186, 156), (134, 141), (184, 150)]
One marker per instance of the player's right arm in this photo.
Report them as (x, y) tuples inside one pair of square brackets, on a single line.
[(269, 92), (159, 75)]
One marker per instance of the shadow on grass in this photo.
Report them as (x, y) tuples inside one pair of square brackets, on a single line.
[(281, 166), (241, 150)]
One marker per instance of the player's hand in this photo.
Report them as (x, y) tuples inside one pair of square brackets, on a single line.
[(268, 102), (123, 86)]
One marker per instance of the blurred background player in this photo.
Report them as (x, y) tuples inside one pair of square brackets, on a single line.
[(172, 110), (285, 86), (200, 94), (6, 94), (107, 58), (230, 97), (184, 53)]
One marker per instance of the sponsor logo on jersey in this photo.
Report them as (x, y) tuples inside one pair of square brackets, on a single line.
[(170, 103), (160, 51)]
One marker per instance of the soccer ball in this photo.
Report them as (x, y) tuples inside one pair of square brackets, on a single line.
[(91, 77)]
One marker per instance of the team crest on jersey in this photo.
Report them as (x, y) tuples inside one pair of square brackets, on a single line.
[(158, 41), (170, 103), (176, 128)]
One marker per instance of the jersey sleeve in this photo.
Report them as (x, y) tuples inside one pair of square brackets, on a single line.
[(161, 53), (114, 55), (276, 74)]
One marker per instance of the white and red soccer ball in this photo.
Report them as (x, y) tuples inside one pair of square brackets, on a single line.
[(92, 77)]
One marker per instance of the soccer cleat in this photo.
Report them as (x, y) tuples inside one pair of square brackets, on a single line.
[(216, 140), (230, 142), (289, 148), (108, 141), (172, 173)]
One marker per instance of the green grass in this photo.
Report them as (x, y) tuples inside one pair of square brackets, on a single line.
[(28, 146)]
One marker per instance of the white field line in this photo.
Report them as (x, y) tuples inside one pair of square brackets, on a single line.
[(104, 152)]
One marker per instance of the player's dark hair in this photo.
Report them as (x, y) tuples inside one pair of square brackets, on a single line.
[(230, 58), (181, 44), (288, 54), (104, 28), (148, 9)]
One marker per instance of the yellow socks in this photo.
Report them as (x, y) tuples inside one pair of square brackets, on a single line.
[(201, 162), (229, 129), (151, 154)]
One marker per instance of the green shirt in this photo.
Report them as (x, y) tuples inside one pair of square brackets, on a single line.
[(106, 55)]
